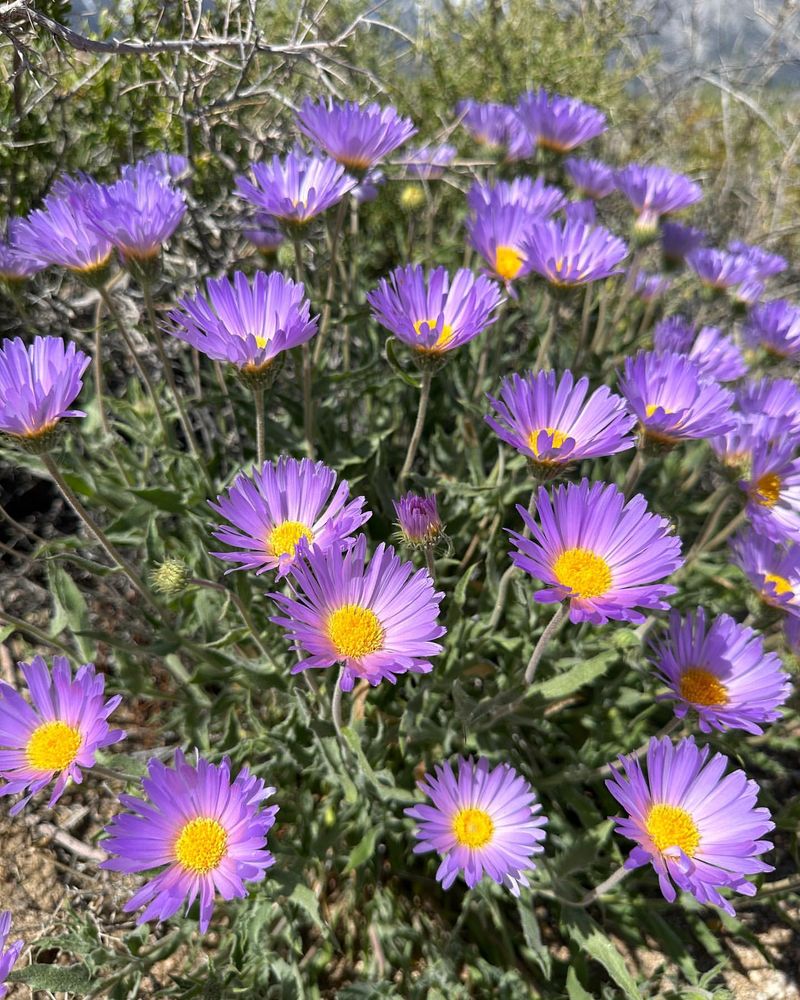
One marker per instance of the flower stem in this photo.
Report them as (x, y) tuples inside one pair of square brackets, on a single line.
[(308, 401), (241, 608), (413, 444), (35, 633), (551, 629), (634, 474), (326, 306), (671, 726), (506, 578), (336, 706), (430, 562), (543, 354), (98, 369), (611, 882), (258, 396)]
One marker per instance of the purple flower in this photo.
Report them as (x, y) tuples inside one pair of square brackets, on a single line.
[(775, 326), (296, 188), (499, 234), (377, 621), (280, 505), (735, 447), (37, 384), (699, 830), (748, 292), (592, 178), (717, 355), (264, 233), (528, 193), (773, 491), (496, 126), (559, 123), (721, 671), (15, 264), (206, 834), (436, 315), (58, 733), (773, 568), (139, 213), (599, 552), (418, 519), (675, 334), (775, 399), (552, 423), (791, 634), (678, 241), (674, 399), (581, 211), (718, 269), (9, 955), (354, 135), (172, 166), (484, 822), (64, 234), (246, 324), (649, 287), (428, 162), (571, 253), (654, 192), (763, 263)]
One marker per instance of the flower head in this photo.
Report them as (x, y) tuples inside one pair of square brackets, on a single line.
[(773, 491), (499, 234), (63, 233), (748, 292), (264, 232), (531, 194), (674, 334), (357, 136), (296, 188), (248, 324), (572, 253), (428, 162), (592, 178), (699, 830), (551, 421), (717, 269), (649, 287), (776, 399), (418, 520), (598, 551), (735, 447), (15, 264), (762, 263), (9, 955), (775, 326), (58, 733), (674, 399), (721, 671), (377, 620), (206, 834), (38, 384), (496, 126), (584, 211), (559, 123), (485, 821), (434, 315), (773, 569), (717, 355), (277, 507), (678, 241), (172, 166), (655, 192)]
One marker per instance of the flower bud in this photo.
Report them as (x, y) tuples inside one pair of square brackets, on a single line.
[(170, 577), (418, 520)]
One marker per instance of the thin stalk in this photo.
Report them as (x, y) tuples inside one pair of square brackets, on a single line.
[(507, 577), (598, 341), (711, 523), (430, 562), (542, 356), (325, 320), (336, 706), (35, 633), (413, 444), (551, 629), (308, 401), (610, 883), (98, 368), (258, 396), (586, 313), (634, 473), (241, 608)]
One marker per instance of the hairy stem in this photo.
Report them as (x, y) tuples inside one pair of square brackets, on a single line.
[(551, 629), (413, 444)]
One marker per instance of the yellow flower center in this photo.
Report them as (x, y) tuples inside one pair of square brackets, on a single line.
[(671, 826), (651, 408), (53, 746), (767, 489), (559, 437), (201, 845), (355, 631), (261, 342), (508, 262), (779, 584), (283, 539), (701, 687), (584, 572), (473, 827), (444, 337)]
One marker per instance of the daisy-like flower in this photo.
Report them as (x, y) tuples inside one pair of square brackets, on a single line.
[(717, 355), (721, 671), (15, 265), (249, 325), (775, 326), (571, 253), (773, 491), (674, 399), (773, 569), (264, 233), (499, 234), (775, 399), (654, 192), (138, 213), (699, 830), (718, 269), (173, 166), (592, 178), (649, 287), (434, 315), (674, 334), (559, 123), (64, 234), (551, 421), (485, 821), (297, 188), (377, 621), (735, 447), (357, 136), (418, 520), (584, 211), (428, 162), (763, 263), (206, 834), (748, 292), (38, 384), (9, 955), (277, 506), (598, 551), (58, 733), (678, 241), (496, 126), (529, 193)]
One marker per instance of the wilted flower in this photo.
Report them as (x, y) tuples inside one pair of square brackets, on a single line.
[(773, 568), (428, 162), (531, 194), (592, 178), (206, 834), (357, 136), (9, 955), (775, 326), (678, 241), (773, 491), (571, 253), (762, 263), (15, 264), (559, 123), (496, 126), (484, 822), (717, 269), (63, 233), (418, 520), (699, 830), (296, 188), (655, 192)]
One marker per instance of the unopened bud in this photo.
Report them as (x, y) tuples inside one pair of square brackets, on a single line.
[(170, 577)]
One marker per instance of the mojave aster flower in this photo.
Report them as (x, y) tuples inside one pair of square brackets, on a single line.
[(58, 733), (429, 161), (674, 399), (674, 334), (435, 315), (735, 447), (530, 193), (718, 269), (598, 551), (775, 326), (592, 178), (572, 253), (654, 192), (206, 834), (717, 355), (499, 234), (551, 421), (763, 263), (418, 519), (64, 234), (377, 620), (264, 232), (773, 568), (748, 292), (281, 504), (485, 821), (38, 384), (357, 136), (174, 166), (15, 264), (678, 241), (584, 211), (699, 830), (777, 399), (559, 123), (496, 126), (773, 490), (247, 324), (297, 188), (721, 671), (649, 287), (9, 955)]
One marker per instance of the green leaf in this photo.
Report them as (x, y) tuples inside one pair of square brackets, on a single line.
[(70, 607), (55, 978), (593, 942), (582, 673), (574, 989), (167, 500), (363, 850), (307, 901), (533, 937), (391, 356)]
